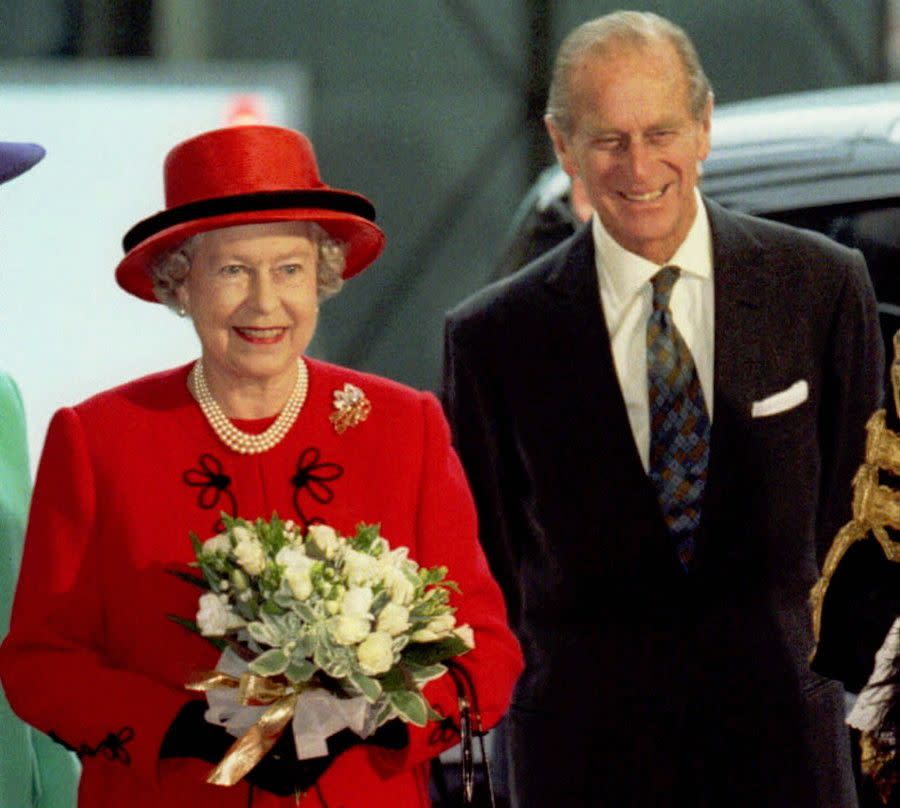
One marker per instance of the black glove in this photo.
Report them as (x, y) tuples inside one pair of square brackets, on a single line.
[(281, 773), (191, 735)]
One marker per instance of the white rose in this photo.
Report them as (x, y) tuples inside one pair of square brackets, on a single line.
[(360, 568), (357, 602), (466, 634), (297, 567), (243, 533), (217, 544), (394, 619), (396, 558), (346, 630), (214, 617), (325, 539), (436, 629), (375, 653), (400, 587), (250, 554)]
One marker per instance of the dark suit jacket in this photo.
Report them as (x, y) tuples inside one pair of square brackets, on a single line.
[(644, 686)]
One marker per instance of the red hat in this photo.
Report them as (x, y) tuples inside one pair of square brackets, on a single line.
[(245, 175)]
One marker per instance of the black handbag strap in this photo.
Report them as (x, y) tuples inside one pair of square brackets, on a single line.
[(470, 727)]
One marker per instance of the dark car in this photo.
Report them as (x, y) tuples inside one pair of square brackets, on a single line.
[(827, 160)]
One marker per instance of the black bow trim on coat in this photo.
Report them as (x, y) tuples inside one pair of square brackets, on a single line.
[(213, 482), (112, 747), (313, 477)]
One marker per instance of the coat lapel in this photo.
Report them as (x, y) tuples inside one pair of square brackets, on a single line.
[(591, 373), (741, 292)]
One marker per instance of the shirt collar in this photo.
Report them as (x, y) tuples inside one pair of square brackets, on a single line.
[(623, 274)]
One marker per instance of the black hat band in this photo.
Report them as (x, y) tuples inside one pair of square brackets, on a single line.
[(338, 201)]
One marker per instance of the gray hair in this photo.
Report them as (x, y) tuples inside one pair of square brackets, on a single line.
[(171, 269), (632, 28)]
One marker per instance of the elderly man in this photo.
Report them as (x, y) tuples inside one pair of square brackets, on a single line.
[(34, 771), (660, 420)]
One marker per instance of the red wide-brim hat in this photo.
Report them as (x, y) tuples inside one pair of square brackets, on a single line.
[(17, 158), (245, 175)]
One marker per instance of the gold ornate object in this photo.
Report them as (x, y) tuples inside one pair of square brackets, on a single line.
[(895, 372), (351, 408), (875, 756), (253, 745), (882, 445), (875, 507)]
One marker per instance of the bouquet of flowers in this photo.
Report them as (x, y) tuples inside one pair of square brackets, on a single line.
[(347, 625)]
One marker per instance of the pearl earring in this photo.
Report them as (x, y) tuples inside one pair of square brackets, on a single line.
[(181, 311)]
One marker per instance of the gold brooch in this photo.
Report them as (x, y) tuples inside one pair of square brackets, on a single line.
[(351, 407)]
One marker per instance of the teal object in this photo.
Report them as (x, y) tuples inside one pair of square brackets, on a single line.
[(35, 772)]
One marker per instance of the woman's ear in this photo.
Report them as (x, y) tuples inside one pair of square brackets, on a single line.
[(182, 296)]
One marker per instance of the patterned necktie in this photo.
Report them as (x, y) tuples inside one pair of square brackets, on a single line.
[(679, 421)]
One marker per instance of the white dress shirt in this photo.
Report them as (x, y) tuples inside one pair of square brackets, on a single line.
[(627, 300)]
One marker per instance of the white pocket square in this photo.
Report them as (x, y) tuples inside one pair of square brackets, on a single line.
[(782, 401)]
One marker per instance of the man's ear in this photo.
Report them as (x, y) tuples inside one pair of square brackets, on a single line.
[(561, 145), (706, 128)]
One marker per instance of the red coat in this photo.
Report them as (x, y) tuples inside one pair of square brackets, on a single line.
[(91, 655)]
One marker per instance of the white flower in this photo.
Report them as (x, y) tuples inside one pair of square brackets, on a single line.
[(397, 558), (217, 544), (249, 552), (357, 602), (360, 568), (466, 634), (436, 629), (399, 585), (325, 539), (393, 619), (375, 653), (242, 533), (297, 567), (346, 630), (214, 617)]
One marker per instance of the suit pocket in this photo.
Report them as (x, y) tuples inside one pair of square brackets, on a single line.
[(793, 425)]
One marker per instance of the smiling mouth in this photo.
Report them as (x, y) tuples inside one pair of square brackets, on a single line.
[(650, 196), (261, 336)]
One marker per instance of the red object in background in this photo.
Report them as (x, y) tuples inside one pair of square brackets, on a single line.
[(245, 109)]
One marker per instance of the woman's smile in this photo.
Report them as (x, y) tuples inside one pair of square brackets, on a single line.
[(261, 336)]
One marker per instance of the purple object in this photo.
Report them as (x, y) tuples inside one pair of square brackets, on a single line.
[(17, 158)]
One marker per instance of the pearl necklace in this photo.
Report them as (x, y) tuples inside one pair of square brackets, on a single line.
[(236, 439)]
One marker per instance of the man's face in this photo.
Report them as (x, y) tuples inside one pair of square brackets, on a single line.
[(635, 145)]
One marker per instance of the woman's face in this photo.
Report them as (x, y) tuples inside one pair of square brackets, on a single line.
[(252, 295)]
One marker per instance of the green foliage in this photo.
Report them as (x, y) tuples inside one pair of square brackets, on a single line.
[(410, 706), (270, 663), (366, 539), (431, 653), (367, 686)]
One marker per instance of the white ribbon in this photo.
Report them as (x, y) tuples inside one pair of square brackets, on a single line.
[(318, 715)]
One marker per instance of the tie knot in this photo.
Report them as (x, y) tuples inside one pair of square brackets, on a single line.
[(663, 281)]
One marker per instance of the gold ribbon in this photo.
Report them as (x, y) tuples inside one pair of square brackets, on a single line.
[(253, 745)]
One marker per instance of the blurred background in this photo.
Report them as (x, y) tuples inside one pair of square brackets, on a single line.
[(432, 108)]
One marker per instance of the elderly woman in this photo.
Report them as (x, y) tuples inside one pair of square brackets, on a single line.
[(249, 243)]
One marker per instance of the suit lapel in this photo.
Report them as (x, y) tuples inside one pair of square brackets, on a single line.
[(741, 292), (591, 374)]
